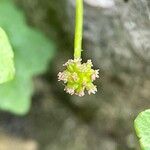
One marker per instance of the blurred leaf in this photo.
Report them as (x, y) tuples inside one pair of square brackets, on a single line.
[(7, 70), (142, 127), (32, 54)]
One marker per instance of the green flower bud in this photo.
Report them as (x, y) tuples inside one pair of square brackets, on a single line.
[(79, 77)]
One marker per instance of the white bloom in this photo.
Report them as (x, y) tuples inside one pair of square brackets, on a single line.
[(81, 93), (95, 75), (89, 62), (69, 90), (62, 76), (70, 61), (92, 90)]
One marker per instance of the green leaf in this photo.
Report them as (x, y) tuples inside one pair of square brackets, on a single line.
[(7, 70), (33, 52), (142, 127)]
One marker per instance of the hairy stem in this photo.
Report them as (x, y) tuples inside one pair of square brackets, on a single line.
[(78, 29)]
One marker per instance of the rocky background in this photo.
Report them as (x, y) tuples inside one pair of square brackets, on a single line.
[(117, 38)]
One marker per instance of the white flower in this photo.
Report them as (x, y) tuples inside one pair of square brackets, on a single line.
[(95, 75), (92, 90), (89, 62), (69, 90), (62, 76)]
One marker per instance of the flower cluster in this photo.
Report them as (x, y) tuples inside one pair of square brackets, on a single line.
[(79, 77)]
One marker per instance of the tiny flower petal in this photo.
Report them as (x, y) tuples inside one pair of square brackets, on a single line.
[(80, 93), (95, 75), (62, 77), (69, 90), (89, 62), (92, 90)]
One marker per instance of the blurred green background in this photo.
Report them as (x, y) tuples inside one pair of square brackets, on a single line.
[(36, 113)]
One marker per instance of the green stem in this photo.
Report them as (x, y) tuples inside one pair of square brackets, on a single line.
[(78, 29)]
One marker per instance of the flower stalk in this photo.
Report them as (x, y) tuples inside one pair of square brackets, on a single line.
[(78, 29)]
